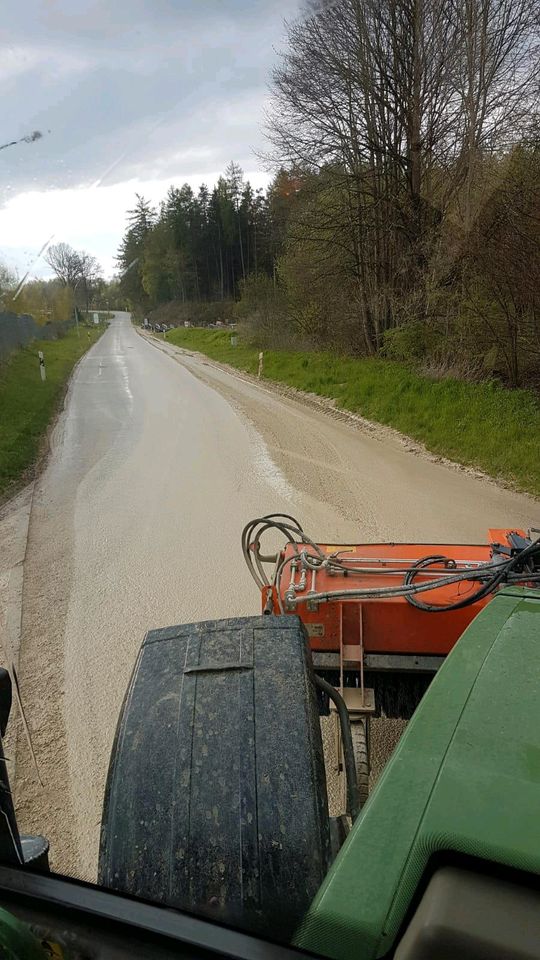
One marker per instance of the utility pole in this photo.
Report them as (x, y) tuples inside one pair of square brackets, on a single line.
[(75, 306)]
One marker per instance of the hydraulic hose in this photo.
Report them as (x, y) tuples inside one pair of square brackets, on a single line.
[(502, 573), (353, 794), (488, 575)]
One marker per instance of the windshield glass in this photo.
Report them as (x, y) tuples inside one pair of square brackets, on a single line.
[(260, 258)]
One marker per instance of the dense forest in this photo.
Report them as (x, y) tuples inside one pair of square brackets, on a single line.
[(199, 246), (404, 217)]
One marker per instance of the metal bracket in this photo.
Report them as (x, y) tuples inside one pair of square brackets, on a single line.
[(398, 663), (358, 705)]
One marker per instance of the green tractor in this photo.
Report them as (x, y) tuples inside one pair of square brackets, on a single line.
[(216, 838)]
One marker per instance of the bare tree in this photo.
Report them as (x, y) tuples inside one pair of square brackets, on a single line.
[(90, 275), (361, 92), (75, 269), (496, 82), (504, 267), (66, 263), (397, 101)]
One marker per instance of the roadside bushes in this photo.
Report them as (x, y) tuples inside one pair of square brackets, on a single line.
[(199, 313), (261, 312)]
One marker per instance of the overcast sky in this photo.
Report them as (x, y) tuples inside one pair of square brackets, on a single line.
[(130, 95)]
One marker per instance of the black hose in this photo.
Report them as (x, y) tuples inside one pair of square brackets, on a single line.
[(500, 574), (407, 589), (348, 750)]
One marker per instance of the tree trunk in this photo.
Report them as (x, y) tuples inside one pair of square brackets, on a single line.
[(241, 249)]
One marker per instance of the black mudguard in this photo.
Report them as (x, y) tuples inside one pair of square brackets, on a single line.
[(216, 795)]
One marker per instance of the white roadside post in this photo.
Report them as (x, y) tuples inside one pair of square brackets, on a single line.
[(261, 358), (42, 365)]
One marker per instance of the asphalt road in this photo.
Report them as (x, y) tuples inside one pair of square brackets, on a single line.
[(157, 462)]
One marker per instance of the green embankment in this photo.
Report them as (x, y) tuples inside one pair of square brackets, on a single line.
[(27, 405), (478, 424)]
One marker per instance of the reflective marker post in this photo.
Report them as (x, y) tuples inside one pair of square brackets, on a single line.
[(42, 365), (261, 358)]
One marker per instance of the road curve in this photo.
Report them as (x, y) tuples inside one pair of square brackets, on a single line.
[(157, 462)]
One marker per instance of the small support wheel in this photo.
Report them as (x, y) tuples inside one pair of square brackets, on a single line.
[(360, 739)]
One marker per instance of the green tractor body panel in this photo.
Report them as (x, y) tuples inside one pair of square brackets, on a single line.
[(465, 778)]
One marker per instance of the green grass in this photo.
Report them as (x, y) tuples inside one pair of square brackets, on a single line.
[(478, 424), (27, 405)]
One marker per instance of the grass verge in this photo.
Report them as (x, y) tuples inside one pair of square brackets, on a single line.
[(27, 405), (477, 424)]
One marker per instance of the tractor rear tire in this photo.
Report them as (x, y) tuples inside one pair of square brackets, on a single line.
[(216, 796), (360, 739)]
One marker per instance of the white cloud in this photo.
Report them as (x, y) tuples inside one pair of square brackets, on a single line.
[(15, 61), (54, 63)]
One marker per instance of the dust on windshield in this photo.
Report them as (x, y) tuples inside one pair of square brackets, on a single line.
[(269, 420)]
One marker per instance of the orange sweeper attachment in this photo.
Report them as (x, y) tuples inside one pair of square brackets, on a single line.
[(367, 608)]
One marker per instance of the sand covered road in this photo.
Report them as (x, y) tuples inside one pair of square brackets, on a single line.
[(157, 462)]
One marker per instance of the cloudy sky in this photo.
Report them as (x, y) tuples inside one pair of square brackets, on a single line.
[(130, 95)]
